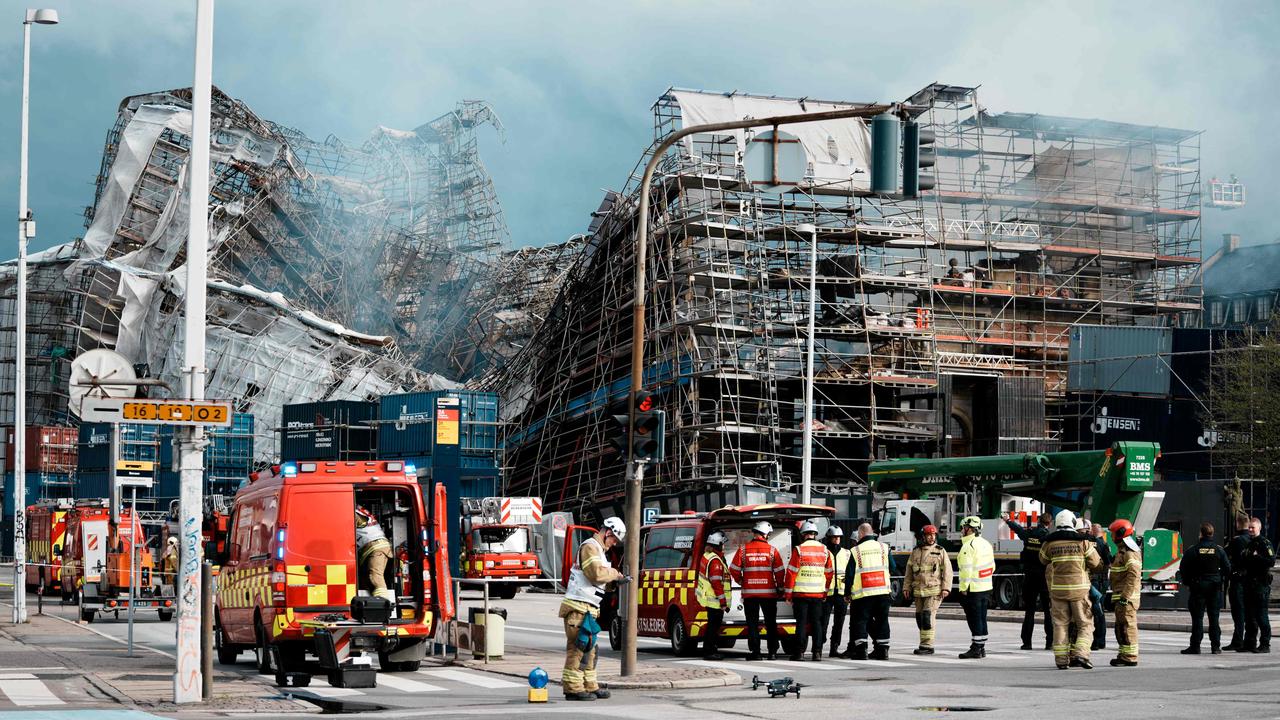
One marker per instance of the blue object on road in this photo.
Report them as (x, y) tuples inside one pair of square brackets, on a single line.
[(538, 678)]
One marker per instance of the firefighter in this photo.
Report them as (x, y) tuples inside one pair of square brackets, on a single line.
[(713, 593), (977, 563), (836, 604), (1068, 559), (1126, 591), (373, 552), (928, 579), (169, 562), (1259, 558), (588, 578), (1202, 568), (867, 586), (1235, 587), (1034, 591), (809, 574), (757, 568)]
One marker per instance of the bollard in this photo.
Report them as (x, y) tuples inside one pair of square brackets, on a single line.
[(206, 630)]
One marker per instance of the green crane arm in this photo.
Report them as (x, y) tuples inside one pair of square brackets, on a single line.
[(1109, 483)]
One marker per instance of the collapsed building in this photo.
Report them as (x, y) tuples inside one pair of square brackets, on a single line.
[(336, 271), (942, 323)]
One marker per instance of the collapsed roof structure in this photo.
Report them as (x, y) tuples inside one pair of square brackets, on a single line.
[(337, 271), (941, 322)]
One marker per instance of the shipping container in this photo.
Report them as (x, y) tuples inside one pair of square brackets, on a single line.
[(330, 430), (1120, 359), (459, 482), (137, 442), (1096, 421), (407, 424), (50, 448)]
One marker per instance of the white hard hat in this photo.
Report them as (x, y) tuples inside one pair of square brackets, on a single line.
[(835, 531), (763, 527), (618, 527), (716, 538), (1065, 520), (808, 527)]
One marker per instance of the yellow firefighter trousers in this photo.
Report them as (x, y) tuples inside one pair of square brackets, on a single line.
[(579, 668), (376, 572), (1064, 614), (1127, 631), (927, 618)]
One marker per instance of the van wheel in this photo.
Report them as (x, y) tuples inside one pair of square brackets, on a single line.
[(678, 633), (505, 591), (386, 665), (615, 633), (87, 615), (262, 658), (165, 615), (227, 653)]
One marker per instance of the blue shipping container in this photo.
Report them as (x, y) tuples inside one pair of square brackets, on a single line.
[(330, 430), (459, 483), (407, 423)]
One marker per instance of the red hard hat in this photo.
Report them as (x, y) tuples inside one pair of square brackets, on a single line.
[(1121, 529), (928, 530)]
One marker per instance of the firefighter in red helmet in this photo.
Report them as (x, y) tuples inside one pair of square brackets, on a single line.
[(1126, 588)]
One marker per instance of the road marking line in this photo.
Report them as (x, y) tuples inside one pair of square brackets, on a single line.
[(872, 663), (940, 660), (404, 685), (330, 691), (476, 679), (773, 666), (802, 665), (24, 689)]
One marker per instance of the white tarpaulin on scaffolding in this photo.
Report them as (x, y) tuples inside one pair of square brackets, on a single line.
[(839, 151)]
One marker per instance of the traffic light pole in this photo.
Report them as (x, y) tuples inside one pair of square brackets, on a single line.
[(635, 475)]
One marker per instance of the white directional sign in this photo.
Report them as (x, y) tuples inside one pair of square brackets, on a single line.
[(156, 412)]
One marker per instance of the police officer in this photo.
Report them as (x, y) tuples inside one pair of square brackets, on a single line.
[(1259, 558), (867, 583), (809, 574), (1126, 591), (712, 593), (836, 603), (928, 580), (1235, 587), (1068, 558), (977, 564), (757, 568), (588, 578), (1202, 568), (1034, 591)]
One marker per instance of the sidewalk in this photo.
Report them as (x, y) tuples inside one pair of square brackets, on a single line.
[(98, 673), (518, 661)]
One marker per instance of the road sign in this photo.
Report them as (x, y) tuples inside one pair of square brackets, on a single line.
[(650, 516), (520, 511), (135, 473), (156, 412)]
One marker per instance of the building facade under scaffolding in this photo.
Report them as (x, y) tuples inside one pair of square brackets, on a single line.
[(336, 271), (942, 323)]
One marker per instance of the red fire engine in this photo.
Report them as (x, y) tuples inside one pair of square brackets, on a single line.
[(99, 558), (46, 536)]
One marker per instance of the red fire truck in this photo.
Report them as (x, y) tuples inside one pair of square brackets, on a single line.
[(46, 536), (495, 545), (99, 558)]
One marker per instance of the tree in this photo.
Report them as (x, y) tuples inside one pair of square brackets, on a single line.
[(1244, 404)]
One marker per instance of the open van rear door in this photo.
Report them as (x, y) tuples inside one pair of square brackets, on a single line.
[(574, 536), (437, 548)]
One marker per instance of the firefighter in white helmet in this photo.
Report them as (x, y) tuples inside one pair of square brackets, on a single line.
[(810, 574), (757, 568), (713, 593), (837, 605), (373, 552), (588, 580), (1068, 558)]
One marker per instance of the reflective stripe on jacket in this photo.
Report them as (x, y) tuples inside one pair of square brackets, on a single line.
[(977, 563), (841, 560), (1068, 558), (711, 590), (928, 571), (811, 570), (871, 569), (1126, 576), (757, 568)]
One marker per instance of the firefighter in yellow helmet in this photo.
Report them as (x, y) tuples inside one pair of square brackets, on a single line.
[(588, 578), (977, 563), (1126, 588), (373, 552), (1068, 558), (928, 582)]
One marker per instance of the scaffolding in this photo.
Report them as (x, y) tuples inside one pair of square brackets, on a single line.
[(941, 322)]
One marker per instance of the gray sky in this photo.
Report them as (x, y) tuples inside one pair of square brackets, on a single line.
[(573, 82)]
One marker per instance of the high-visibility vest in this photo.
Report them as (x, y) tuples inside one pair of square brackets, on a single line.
[(757, 567), (809, 570), (871, 570), (841, 558), (710, 573), (977, 563)]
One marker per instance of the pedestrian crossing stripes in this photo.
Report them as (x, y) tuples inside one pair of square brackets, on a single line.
[(24, 690), (482, 680), (403, 684)]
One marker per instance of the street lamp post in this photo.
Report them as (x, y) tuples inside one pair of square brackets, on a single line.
[(635, 473), (26, 231)]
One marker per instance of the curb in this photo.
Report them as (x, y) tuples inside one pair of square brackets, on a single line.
[(711, 678)]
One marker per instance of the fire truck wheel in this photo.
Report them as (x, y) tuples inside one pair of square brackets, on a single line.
[(87, 615), (1007, 595), (387, 665), (505, 591), (681, 643), (165, 615), (262, 658), (615, 633)]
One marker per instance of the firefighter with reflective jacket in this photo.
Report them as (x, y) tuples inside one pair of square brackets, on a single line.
[(713, 592), (836, 604), (757, 568), (1126, 589), (977, 564), (867, 583), (581, 606), (928, 581), (373, 552), (1068, 559), (809, 574)]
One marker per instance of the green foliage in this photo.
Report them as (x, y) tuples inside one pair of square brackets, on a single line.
[(1245, 403)]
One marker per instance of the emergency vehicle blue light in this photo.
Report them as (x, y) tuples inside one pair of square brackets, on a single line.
[(280, 536), (289, 470), (280, 553), (538, 678), (410, 469)]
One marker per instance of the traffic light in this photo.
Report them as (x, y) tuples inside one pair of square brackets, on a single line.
[(650, 432), (917, 153), (884, 153)]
